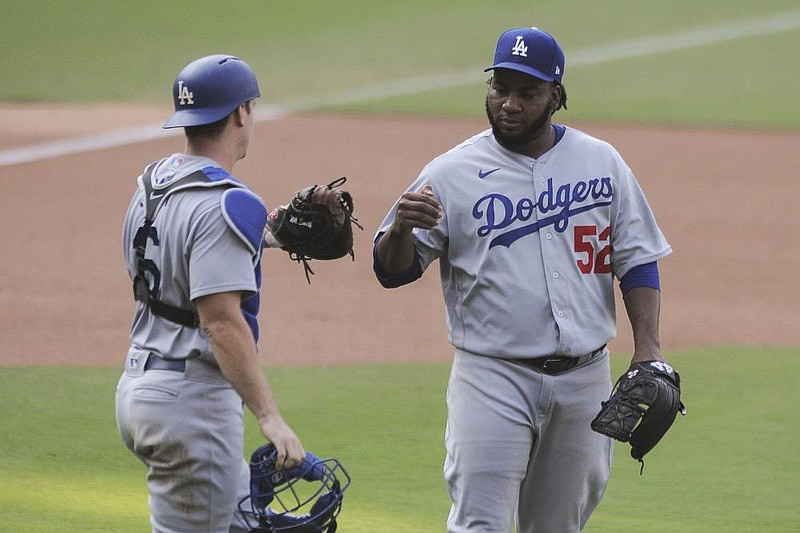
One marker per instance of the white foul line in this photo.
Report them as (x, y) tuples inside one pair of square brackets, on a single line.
[(593, 56)]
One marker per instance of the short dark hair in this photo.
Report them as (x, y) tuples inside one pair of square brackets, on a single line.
[(214, 129)]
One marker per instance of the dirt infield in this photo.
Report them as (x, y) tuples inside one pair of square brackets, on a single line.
[(724, 200)]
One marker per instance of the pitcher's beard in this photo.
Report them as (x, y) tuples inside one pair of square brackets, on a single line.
[(519, 140)]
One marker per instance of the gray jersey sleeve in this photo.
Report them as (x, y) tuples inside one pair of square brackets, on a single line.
[(218, 259), (636, 238)]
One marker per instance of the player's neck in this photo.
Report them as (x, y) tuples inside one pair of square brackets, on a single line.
[(543, 143), (218, 151), (534, 146)]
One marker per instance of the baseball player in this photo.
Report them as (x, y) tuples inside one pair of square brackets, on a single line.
[(192, 241), (531, 221)]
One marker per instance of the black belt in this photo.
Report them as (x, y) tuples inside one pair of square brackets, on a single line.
[(557, 364), (155, 362)]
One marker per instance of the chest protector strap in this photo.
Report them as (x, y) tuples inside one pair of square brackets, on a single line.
[(141, 287)]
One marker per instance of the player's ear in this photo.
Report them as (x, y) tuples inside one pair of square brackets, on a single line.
[(555, 94), (240, 115), (555, 97), (241, 112)]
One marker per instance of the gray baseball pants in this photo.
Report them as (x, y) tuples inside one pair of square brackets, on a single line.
[(520, 450), (188, 429)]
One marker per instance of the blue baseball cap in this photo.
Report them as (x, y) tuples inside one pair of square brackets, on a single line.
[(532, 51), (209, 88)]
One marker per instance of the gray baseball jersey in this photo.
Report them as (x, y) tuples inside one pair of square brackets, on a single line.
[(199, 250), (528, 248)]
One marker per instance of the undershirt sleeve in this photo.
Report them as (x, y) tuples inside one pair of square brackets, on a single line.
[(392, 281), (645, 275)]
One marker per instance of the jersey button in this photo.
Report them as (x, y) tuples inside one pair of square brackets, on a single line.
[(548, 235), (560, 314), (555, 275)]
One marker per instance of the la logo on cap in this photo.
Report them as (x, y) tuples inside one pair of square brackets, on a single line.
[(184, 95), (520, 49)]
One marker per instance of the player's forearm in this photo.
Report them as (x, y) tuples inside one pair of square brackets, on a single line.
[(643, 306), (395, 251), (235, 352)]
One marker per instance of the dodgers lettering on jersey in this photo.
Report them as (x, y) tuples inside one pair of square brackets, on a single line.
[(528, 249), (500, 211)]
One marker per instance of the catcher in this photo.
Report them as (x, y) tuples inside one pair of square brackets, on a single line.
[(642, 407), (316, 224)]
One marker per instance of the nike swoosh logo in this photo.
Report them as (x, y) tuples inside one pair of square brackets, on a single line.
[(482, 174), (154, 196)]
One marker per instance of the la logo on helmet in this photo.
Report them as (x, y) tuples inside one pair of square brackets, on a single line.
[(519, 48), (184, 95)]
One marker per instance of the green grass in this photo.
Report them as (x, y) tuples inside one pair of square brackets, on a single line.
[(307, 50), (729, 465)]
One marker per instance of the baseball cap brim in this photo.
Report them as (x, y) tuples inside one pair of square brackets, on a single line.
[(521, 68)]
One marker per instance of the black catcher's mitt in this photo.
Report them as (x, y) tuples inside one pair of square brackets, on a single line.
[(642, 406), (316, 224)]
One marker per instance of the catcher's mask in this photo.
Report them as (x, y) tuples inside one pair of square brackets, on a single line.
[(302, 499)]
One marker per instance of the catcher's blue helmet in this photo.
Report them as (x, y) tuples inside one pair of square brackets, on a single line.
[(209, 88), (303, 499)]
